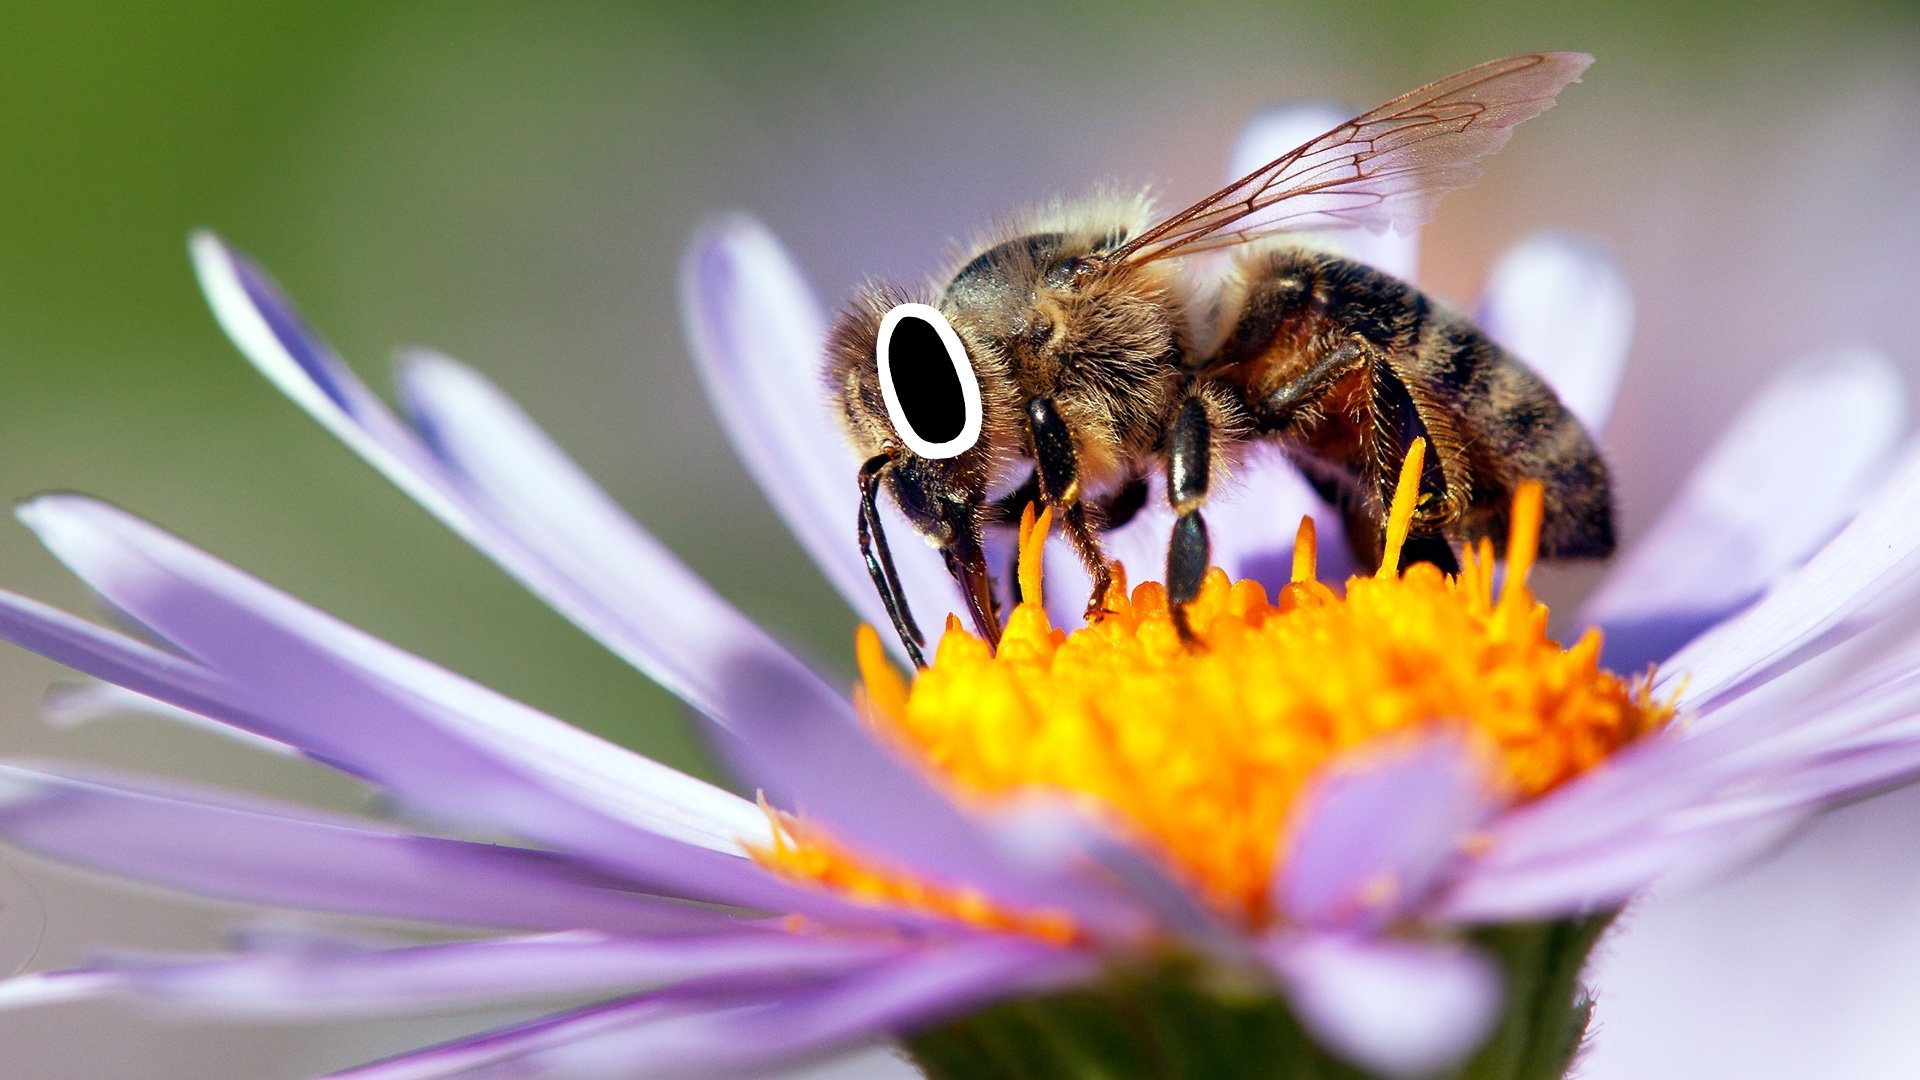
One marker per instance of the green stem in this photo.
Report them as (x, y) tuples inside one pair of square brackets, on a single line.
[(1172, 1022)]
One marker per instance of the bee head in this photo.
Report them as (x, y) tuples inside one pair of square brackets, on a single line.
[(918, 411)]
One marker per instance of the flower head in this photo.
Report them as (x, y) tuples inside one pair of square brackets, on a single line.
[(1206, 754), (1348, 813)]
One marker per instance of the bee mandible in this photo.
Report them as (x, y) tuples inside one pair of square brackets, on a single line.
[(1075, 350)]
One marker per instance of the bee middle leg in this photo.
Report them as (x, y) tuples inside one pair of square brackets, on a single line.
[(1109, 511), (1057, 468), (1189, 551)]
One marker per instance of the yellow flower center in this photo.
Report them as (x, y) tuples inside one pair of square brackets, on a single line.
[(1202, 753)]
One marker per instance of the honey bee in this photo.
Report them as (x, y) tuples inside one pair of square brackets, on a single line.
[(1074, 349)]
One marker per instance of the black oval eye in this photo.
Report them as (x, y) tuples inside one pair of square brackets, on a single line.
[(933, 397), (925, 382)]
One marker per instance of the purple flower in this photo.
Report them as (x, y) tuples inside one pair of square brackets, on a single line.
[(1768, 594)]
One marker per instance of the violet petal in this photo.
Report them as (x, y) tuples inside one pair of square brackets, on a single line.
[(1783, 478), (1604, 875), (1560, 303), (1377, 830), (341, 982), (919, 988), (1872, 565), (680, 1035), (501, 1053), (512, 476), (759, 339), (74, 704), (262, 852), (1396, 1008), (442, 744), (1860, 695)]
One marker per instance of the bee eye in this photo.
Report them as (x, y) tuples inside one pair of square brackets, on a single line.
[(933, 396)]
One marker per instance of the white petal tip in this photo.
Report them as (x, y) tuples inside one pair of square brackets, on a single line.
[(1561, 303)]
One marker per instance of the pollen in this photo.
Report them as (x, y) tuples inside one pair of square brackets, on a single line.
[(1202, 752)]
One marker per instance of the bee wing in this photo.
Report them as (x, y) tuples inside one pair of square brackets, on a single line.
[(1384, 167)]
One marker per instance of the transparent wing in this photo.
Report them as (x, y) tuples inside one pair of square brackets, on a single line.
[(1384, 167)]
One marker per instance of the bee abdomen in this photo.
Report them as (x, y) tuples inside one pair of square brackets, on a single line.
[(1523, 432)]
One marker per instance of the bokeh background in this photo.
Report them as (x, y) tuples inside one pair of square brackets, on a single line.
[(514, 183)]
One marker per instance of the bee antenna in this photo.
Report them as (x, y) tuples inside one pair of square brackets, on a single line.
[(879, 559)]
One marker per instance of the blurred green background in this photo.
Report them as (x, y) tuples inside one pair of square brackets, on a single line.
[(513, 184)]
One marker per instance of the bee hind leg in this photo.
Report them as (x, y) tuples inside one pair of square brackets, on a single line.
[(1398, 424)]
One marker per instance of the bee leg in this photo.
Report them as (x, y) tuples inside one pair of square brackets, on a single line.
[(1111, 511), (1276, 411), (1086, 543), (879, 560), (1189, 552), (1057, 467), (1398, 425)]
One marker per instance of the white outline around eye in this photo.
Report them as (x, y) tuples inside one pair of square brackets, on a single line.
[(962, 366)]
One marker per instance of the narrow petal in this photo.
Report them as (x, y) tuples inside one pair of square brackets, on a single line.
[(1787, 474), (54, 988), (339, 982), (1281, 129), (1561, 304), (759, 338), (453, 748), (1396, 1008), (262, 852), (914, 991), (1872, 565), (1705, 795), (682, 1036), (1376, 833), (1862, 696), (512, 476), (1850, 773), (611, 578), (81, 703), (1598, 877), (441, 743), (268, 331), (1046, 831), (498, 1054)]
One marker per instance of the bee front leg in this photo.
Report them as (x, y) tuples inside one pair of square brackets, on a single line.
[(1189, 470), (1057, 466)]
